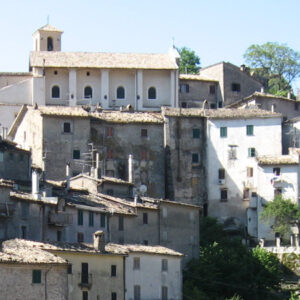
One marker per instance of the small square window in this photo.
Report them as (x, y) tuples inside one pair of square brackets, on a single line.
[(80, 237), (236, 87), (213, 106), (145, 242), (113, 270), (113, 296), (85, 295), (67, 127), (102, 220), (196, 133), (55, 72), (223, 194), (36, 276), (70, 269), (80, 217), (183, 105), (220, 104), (91, 219), (249, 129), (232, 152), (223, 132), (246, 194), (144, 133), (212, 89), (87, 73), (136, 263), (121, 223), (195, 158), (145, 218), (276, 171), (76, 154), (184, 88), (251, 152)]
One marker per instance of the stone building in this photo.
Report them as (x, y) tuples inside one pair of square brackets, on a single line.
[(28, 272)]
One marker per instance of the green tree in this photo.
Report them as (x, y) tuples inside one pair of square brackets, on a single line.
[(281, 212), (189, 61), (275, 65)]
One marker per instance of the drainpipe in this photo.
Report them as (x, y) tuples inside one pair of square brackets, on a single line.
[(97, 165), (68, 175), (130, 168)]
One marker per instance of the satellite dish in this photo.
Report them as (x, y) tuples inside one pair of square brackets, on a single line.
[(143, 189)]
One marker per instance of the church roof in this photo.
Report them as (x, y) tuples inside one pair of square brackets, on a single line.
[(102, 60), (48, 27)]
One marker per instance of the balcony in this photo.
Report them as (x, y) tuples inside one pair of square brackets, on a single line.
[(85, 280), (60, 218), (6, 210)]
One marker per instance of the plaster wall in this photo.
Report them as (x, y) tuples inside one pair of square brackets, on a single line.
[(20, 92), (8, 113), (151, 278), (7, 79), (266, 140)]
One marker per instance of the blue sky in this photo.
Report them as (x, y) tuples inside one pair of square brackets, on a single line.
[(217, 30)]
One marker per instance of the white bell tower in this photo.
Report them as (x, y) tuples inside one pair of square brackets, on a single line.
[(47, 38)]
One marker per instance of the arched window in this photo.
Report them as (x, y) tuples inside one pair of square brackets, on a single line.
[(120, 93), (49, 44), (55, 92), (88, 92), (152, 93)]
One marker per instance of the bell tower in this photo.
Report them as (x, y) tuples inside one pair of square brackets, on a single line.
[(47, 38)]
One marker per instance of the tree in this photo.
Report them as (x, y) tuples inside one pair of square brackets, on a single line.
[(275, 65), (189, 61), (282, 212)]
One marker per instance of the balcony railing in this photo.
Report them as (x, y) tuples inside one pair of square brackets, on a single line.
[(85, 280), (60, 218), (6, 210)]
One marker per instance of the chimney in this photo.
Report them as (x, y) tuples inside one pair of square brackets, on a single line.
[(289, 95), (130, 168), (35, 182), (68, 175), (243, 68), (99, 241), (262, 89)]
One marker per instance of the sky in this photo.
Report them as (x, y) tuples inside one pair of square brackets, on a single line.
[(217, 30)]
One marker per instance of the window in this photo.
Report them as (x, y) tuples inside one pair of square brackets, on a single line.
[(183, 104), (55, 92), (145, 218), (88, 92), (87, 73), (145, 242), (236, 87), (69, 271), (36, 276), (212, 89), (121, 223), (276, 171), (164, 264), (102, 220), (67, 127), (220, 104), (223, 194), (80, 217), (109, 131), (213, 106), (223, 132), (80, 237), (144, 132), (24, 232), (137, 292), (249, 129), (296, 105), (91, 218), (136, 263), (59, 235), (246, 194), (85, 295), (144, 155), (249, 172), (251, 152), (113, 296), (11, 156), (113, 271), (120, 93), (49, 44), (232, 152), (76, 154), (84, 273), (164, 293), (109, 154), (195, 158), (277, 192), (55, 72), (152, 93), (184, 88), (196, 133), (24, 210), (221, 173)]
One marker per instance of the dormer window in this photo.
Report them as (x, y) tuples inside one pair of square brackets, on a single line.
[(49, 44), (120, 92), (152, 93), (88, 92)]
